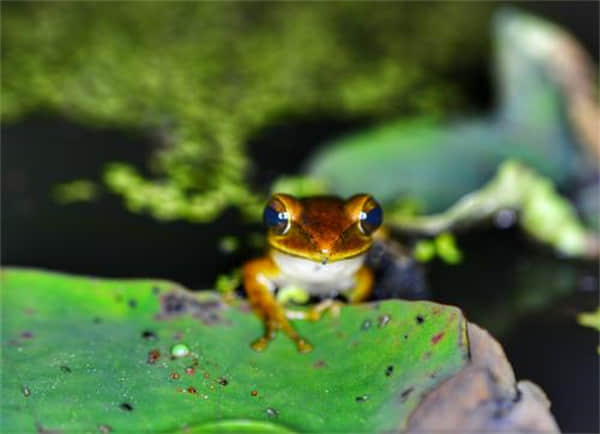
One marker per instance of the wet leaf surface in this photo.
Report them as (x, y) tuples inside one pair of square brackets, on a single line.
[(78, 356)]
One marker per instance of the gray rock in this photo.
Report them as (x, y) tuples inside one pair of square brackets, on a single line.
[(484, 396)]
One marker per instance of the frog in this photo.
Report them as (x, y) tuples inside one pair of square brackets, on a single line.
[(318, 243)]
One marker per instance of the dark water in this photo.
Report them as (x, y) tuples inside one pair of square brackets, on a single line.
[(529, 301), (527, 298)]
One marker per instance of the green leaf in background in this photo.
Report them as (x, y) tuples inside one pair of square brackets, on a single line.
[(535, 122), (93, 355)]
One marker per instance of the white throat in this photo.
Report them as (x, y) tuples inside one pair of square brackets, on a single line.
[(315, 276)]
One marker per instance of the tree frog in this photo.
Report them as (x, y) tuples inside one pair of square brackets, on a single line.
[(318, 243)]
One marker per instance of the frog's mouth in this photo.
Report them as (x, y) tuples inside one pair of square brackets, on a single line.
[(324, 256)]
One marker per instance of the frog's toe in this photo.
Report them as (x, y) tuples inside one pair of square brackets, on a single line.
[(296, 314), (314, 315), (329, 305), (303, 346), (260, 344)]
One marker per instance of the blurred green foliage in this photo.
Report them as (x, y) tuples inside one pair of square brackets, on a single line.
[(543, 214), (227, 283), (75, 191), (590, 319), (443, 245), (205, 77)]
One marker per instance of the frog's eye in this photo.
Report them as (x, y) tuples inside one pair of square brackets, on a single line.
[(276, 217), (370, 218)]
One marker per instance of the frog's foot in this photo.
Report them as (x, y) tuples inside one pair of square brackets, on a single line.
[(316, 312), (296, 314), (303, 346), (260, 344), (331, 305), (275, 321)]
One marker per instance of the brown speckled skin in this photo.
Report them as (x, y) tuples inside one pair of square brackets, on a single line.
[(322, 228), (322, 223)]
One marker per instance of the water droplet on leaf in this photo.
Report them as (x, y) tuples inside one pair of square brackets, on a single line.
[(383, 320), (271, 412), (180, 350)]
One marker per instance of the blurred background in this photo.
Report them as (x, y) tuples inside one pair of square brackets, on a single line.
[(140, 139)]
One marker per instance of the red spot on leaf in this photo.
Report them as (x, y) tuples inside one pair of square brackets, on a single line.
[(319, 364), (153, 356), (435, 339)]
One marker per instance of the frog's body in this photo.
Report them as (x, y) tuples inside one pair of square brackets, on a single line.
[(317, 243)]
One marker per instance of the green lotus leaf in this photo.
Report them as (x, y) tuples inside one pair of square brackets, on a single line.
[(86, 355)]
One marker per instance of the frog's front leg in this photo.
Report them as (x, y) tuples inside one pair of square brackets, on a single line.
[(363, 287), (259, 275)]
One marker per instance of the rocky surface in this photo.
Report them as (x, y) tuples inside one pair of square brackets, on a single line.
[(484, 396)]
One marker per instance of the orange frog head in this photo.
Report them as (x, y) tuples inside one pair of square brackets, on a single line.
[(322, 228)]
